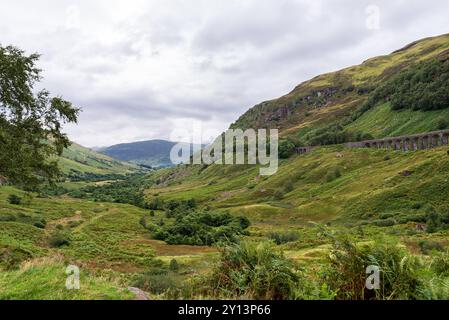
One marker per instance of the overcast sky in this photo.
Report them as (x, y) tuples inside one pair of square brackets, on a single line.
[(141, 68)]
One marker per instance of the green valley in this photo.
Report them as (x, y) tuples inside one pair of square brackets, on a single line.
[(226, 232)]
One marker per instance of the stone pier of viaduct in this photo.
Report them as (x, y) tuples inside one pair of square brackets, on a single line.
[(403, 143)]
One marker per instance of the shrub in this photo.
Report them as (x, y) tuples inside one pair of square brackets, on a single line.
[(417, 205), (347, 271), (156, 281), (440, 264), (40, 224), (59, 239), (12, 257), (143, 221), (278, 195), (442, 123), (433, 220), (387, 215), (385, 223), (286, 149), (430, 246), (201, 228), (289, 187), (419, 87), (14, 199), (333, 174), (283, 237), (253, 271), (174, 266)]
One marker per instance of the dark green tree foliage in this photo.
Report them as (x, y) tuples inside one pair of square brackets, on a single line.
[(347, 275), (286, 149), (201, 228), (30, 122), (335, 134), (14, 199), (129, 190), (424, 86), (254, 271)]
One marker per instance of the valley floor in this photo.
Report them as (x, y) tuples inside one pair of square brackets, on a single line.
[(366, 193)]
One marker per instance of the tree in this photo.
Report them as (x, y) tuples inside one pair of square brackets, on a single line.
[(30, 122)]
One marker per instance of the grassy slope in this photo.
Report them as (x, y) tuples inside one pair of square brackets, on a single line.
[(381, 121), (368, 184), (304, 118), (45, 279), (107, 242), (108, 236), (85, 160)]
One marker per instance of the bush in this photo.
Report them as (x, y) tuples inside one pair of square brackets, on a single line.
[(286, 149), (333, 174), (14, 199), (347, 271), (201, 228), (419, 87), (386, 215), (278, 195), (283, 237), (12, 257), (253, 271), (440, 264), (385, 223), (289, 187), (156, 281), (174, 266), (40, 224), (429, 246), (59, 239), (442, 123)]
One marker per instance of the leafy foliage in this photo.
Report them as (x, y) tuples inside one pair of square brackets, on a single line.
[(201, 228), (30, 123), (254, 271), (128, 190), (14, 199), (348, 264), (420, 87)]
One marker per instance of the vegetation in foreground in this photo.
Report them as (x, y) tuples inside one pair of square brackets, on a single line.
[(163, 232)]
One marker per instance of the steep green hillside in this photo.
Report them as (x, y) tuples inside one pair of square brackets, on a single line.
[(382, 205), (80, 160), (329, 184), (382, 121), (333, 98)]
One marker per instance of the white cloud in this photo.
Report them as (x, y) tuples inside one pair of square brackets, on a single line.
[(141, 68)]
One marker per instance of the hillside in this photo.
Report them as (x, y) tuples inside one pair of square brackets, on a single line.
[(389, 206), (154, 153), (80, 160), (333, 99)]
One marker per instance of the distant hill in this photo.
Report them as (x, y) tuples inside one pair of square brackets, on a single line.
[(154, 153), (80, 160)]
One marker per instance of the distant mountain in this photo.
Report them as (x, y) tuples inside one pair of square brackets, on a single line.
[(154, 153)]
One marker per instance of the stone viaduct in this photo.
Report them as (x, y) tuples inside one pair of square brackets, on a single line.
[(403, 143)]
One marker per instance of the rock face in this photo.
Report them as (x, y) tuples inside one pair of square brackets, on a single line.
[(140, 295)]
